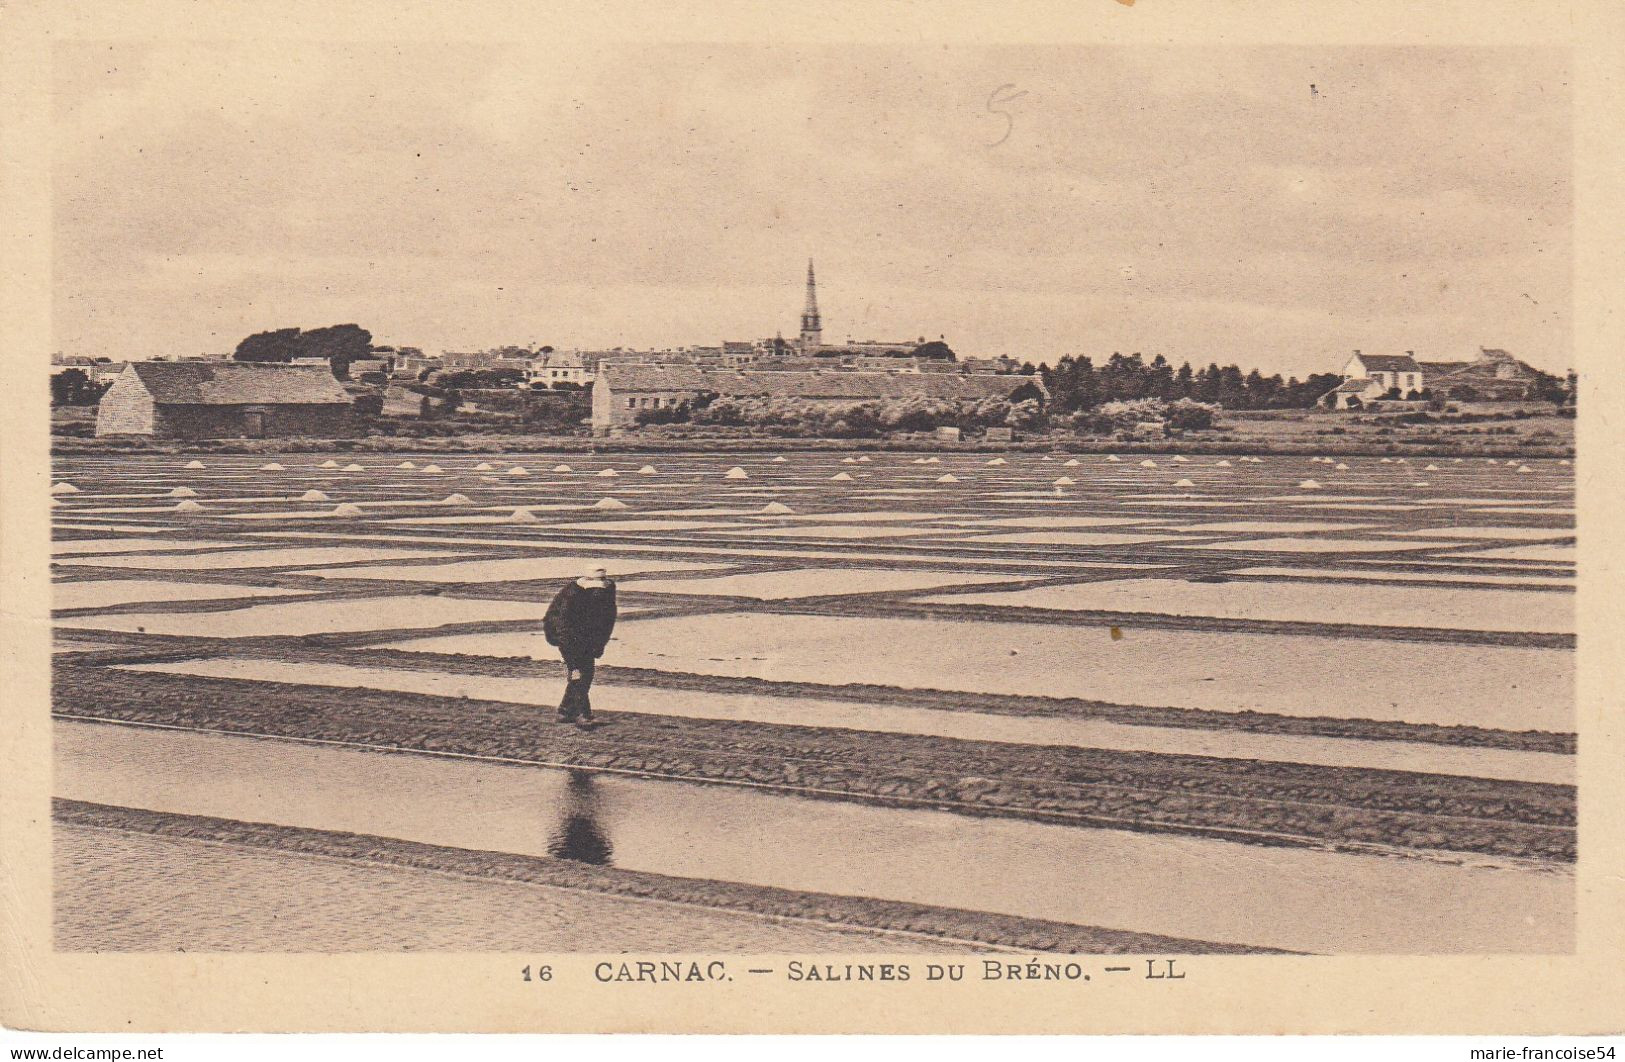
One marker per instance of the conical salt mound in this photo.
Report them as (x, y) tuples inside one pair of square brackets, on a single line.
[(1421, 483), (780, 460), (518, 470), (353, 467), (1525, 468), (1180, 459), (949, 478), (1565, 461), (346, 509), (431, 468), (522, 516), (1388, 460), (608, 473), (1431, 468), (1046, 457), (933, 461), (484, 466), (1113, 457), (919, 461), (849, 460), (1341, 467), (455, 499), (609, 503), (776, 509), (272, 467), (1399, 461), (841, 477), (188, 506), (1456, 460), (183, 492), (862, 458), (407, 464), (313, 495), (647, 470), (1073, 463), (328, 464), (1184, 483), (1148, 463), (194, 464), (563, 468), (736, 473), (1309, 484), (64, 488), (997, 461), (1065, 481), (1222, 464)]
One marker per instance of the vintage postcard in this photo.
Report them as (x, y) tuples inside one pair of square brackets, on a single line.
[(1036, 519)]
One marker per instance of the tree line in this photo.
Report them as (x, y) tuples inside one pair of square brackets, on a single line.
[(1076, 383), (339, 344)]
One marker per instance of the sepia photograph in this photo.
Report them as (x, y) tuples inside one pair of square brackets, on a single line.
[(988, 512)]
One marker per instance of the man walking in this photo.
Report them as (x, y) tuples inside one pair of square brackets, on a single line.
[(579, 622)]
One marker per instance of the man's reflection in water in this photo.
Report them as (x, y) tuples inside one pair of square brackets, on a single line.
[(578, 836)]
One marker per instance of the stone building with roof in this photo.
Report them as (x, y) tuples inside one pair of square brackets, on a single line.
[(622, 391), (225, 400)]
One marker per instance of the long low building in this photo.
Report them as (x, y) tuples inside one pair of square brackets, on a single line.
[(225, 400), (621, 391)]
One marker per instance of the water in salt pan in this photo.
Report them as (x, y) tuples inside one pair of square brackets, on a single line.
[(837, 531), (1078, 732), (1390, 576), (1560, 554), (1066, 538), (1420, 682), (811, 582), (105, 593), (871, 517), (1491, 532), (76, 547), (1326, 545), (1303, 602), (316, 617), (1051, 521), (1302, 900), (262, 558), (547, 566), (1266, 526)]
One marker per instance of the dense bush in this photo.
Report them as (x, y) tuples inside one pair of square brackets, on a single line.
[(1183, 414), (851, 420)]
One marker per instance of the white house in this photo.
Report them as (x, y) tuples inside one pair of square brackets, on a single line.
[(559, 367), (1367, 377)]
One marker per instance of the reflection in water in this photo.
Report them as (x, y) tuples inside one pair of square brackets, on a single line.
[(578, 836)]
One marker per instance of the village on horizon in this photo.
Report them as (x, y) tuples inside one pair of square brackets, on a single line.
[(320, 381)]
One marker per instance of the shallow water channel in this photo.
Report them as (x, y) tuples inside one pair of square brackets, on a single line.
[(1187, 887)]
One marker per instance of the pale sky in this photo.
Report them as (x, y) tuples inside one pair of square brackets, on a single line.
[(1202, 203)]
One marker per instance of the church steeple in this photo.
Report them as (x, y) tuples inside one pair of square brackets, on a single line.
[(812, 329)]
